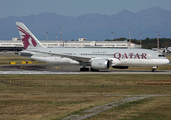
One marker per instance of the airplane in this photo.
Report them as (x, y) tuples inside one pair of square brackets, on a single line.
[(96, 58)]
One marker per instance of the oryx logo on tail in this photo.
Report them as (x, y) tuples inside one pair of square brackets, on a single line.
[(27, 38)]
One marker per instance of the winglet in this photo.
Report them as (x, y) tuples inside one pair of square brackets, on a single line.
[(29, 40)]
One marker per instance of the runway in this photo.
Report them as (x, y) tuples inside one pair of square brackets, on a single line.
[(51, 69)]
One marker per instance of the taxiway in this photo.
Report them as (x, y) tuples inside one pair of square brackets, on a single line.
[(51, 69)]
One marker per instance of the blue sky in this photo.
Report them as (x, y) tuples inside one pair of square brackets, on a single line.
[(76, 7)]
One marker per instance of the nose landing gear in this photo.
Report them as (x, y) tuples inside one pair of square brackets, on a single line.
[(154, 68)]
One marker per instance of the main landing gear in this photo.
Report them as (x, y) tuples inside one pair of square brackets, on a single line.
[(87, 69), (154, 68)]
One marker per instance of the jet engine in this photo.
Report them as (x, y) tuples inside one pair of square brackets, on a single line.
[(100, 64)]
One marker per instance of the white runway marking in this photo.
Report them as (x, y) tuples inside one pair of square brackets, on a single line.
[(35, 72)]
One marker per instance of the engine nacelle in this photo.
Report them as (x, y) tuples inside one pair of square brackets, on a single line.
[(100, 64)]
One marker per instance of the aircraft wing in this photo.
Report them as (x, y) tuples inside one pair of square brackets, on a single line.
[(28, 53), (73, 57)]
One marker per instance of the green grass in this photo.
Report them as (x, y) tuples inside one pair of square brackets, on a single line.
[(156, 108), (33, 100)]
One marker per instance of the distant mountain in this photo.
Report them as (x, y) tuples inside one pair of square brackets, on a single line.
[(92, 26)]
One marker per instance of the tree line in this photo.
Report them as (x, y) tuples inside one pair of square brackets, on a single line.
[(148, 43)]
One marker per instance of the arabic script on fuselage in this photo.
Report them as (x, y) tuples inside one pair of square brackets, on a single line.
[(99, 52)]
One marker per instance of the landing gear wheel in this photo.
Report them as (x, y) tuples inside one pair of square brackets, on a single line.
[(84, 69), (153, 70)]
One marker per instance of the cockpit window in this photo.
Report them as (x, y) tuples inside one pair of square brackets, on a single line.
[(161, 56)]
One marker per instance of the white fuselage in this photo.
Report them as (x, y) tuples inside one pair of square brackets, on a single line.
[(118, 57)]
